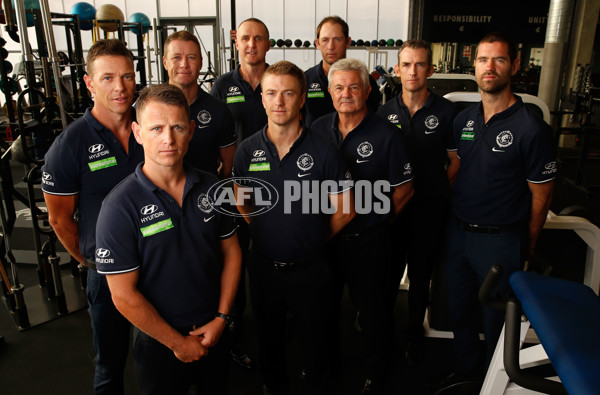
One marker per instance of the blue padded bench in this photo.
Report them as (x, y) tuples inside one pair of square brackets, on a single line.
[(566, 318)]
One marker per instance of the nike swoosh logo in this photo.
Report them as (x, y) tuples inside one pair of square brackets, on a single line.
[(361, 161), (303, 175), (430, 131), (208, 219), (497, 150), (202, 127)]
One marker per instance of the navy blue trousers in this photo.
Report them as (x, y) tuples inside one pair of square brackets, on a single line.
[(111, 332), (469, 258)]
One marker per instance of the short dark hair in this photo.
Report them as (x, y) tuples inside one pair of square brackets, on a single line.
[(417, 44), (334, 19), (163, 93), (502, 38), (284, 67), (107, 47), (256, 20), (182, 35)]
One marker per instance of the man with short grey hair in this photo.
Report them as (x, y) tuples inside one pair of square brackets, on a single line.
[(376, 156)]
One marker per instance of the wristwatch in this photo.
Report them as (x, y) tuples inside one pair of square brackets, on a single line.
[(227, 317)]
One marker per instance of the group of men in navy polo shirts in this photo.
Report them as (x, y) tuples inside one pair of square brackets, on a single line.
[(170, 258)]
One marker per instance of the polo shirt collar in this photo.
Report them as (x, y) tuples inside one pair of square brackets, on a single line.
[(427, 103), (321, 72), (362, 123), (199, 96), (96, 125), (272, 149), (191, 178), (506, 113)]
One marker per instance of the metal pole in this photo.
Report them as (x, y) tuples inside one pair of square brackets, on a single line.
[(46, 20)]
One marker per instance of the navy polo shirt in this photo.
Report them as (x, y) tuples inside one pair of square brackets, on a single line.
[(428, 136), (176, 249), (244, 103), (373, 151), (88, 160), (295, 235), (214, 129), (497, 160), (318, 100)]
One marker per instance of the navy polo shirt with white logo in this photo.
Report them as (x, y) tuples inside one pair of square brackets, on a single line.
[(86, 159), (318, 100), (244, 102), (176, 249), (214, 129), (295, 235), (373, 151), (497, 160), (428, 136)]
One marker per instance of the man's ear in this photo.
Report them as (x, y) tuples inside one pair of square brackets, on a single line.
[(137, 132)]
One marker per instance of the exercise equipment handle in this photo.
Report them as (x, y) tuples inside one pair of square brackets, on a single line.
[(487, 288)]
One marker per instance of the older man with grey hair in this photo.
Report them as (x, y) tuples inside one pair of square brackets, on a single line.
[(375, 153)]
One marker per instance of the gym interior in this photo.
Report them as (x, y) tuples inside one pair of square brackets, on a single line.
[(45, 333)]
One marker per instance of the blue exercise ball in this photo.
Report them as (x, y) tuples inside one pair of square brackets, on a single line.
[(86, 13), (142, 18), (29, 5)]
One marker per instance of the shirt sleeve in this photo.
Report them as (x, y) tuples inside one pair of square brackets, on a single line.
[(228, 134), (116, 240), (540, 156), (449, 129), (61, 174), (399, 166)]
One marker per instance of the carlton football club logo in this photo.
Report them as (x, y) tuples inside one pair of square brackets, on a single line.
[(204, 117), (365, 149), (305, 162), (432, 122), (504, 139), (204, 203)]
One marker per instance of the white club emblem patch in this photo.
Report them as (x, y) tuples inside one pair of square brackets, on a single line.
[(204, 117), (305, 162), (432, 122), (204, 203), (504, 139), (365, 149)]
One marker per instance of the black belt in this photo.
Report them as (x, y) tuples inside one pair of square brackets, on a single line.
[(491, 229), (90, 264)]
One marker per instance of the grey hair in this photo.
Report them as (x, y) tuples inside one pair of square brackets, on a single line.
[(349, 64)]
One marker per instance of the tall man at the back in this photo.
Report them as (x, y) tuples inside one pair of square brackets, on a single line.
[(425, 119), (214, 140), (500, 198), (240, 88), (84, 163), (332, 40)]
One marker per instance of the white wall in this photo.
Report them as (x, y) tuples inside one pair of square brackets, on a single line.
[(293, 19)]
